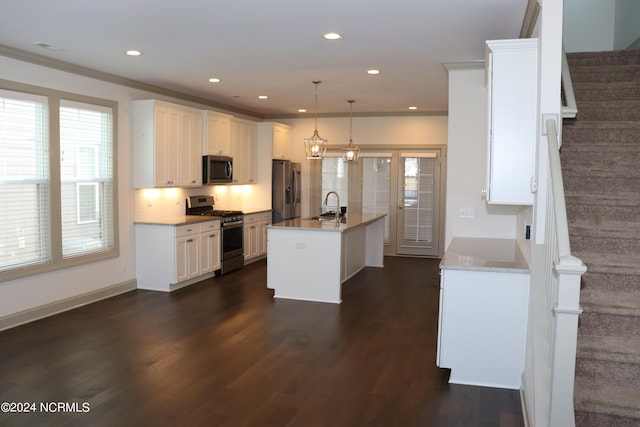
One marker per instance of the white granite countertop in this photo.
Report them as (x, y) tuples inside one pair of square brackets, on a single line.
[(482, 254), (351, 220)]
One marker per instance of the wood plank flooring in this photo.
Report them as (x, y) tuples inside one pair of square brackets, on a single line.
[(223, 352)]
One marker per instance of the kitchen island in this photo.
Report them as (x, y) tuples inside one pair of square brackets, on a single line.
[(309, 259)]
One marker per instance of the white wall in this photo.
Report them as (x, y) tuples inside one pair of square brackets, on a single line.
[(600, 25), (588, 25), (467, 160), (627, 24)]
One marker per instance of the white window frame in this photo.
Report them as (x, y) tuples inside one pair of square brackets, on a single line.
[(56, 260)]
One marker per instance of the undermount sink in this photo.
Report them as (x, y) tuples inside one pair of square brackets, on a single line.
[(327, 217)]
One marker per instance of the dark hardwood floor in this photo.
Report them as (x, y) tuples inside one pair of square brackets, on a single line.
[(223, 352)]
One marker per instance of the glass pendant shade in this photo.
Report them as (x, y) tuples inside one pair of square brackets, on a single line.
[(316, 146), (350, 153)]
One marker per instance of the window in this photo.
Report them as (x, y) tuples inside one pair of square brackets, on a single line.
[(335, 177), (376, 188), (57, 182)]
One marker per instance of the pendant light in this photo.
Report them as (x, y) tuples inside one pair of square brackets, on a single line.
[(315, 147), (350, 153)]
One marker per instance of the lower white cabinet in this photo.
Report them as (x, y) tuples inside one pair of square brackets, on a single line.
[(255, 235), (169, 257), (482, 326)]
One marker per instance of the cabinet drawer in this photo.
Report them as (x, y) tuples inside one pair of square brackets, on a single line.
[(251, 218), (209, 226), (187, 230)]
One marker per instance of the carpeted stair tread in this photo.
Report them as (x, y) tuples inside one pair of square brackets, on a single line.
[(580, 133), (608, 399), (612, 282), (608, 348)]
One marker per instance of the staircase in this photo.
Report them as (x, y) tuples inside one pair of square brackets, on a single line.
[(601, 170)]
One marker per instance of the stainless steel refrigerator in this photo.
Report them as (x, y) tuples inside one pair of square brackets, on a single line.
[(285, 198)]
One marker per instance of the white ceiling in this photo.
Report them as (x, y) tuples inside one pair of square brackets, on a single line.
[(273, 48)]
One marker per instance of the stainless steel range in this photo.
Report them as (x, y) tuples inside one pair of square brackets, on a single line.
[(231, 226)]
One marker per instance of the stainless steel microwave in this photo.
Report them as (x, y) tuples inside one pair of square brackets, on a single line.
[(217, 170)]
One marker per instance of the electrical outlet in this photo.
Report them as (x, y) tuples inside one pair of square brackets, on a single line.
[(467, 213)]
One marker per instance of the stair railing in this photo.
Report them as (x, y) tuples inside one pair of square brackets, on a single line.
[(563, 290), (569, 109)]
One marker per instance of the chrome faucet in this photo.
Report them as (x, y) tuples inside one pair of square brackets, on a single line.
[(326, 199)]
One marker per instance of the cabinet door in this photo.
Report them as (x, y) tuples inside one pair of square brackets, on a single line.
[(190, 143), (262, 237), (187, 257), (166, 150), (512, 95), (281, 142), (209, 252), (243, 148), (217, 134)]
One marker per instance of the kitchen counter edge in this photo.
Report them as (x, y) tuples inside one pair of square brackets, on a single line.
[(351, 220), (484, 254)]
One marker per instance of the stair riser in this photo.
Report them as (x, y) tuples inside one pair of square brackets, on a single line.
[(585, 92), (608, 372), (603, 111), (612, 161), (606, 74), (604, 324), (611, 282), (592, 419), (572, 135), (597, 215), (604, 245), (624, 57), (601, 186)]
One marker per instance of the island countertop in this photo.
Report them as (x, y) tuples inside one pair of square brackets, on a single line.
[(483, 254), (349, 221)]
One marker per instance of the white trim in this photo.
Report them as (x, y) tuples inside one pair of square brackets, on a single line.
[(47, 310)]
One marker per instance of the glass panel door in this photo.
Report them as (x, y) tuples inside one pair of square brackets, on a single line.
[(417, 227)]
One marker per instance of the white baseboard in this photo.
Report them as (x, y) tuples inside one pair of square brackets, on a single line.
[(47, 310)]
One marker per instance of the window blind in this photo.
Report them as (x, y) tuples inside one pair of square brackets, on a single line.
[(86, 175), (24, 180), (376, 188), (419, 186), (335, 177)]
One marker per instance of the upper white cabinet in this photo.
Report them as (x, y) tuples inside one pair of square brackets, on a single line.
[(243, 150), (512, 67), (278, 136), (217, 133), (167, 145)]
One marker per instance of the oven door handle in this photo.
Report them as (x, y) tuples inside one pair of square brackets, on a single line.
[(233, 224)]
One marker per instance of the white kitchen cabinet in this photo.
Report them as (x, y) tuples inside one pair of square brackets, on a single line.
[(210, 247), (277, 135), (217, 134), (243, 150), (511, 70), (255, 235), (482, 327), (169, 257), (167, 145)]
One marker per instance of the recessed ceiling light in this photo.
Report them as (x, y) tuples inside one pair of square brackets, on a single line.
[(302, 110), (373, 72), (332, 36), (263, 97), (215, 80), (413, 108), (134, 53)]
